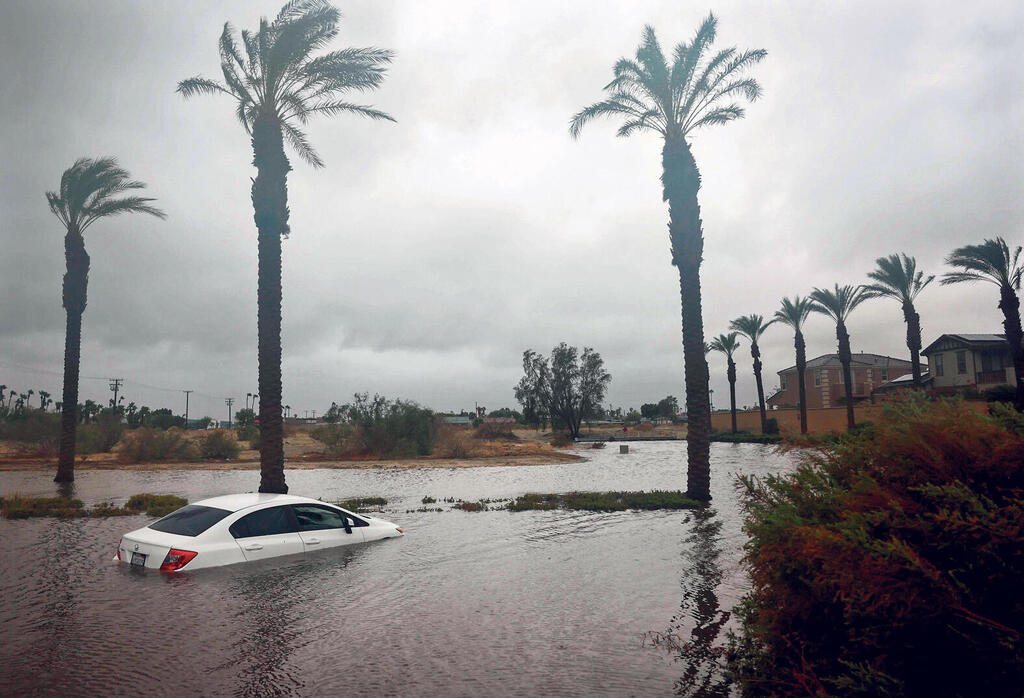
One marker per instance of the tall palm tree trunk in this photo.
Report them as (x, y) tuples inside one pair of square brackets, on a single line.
[(681, 182), (755, 351), (845, 357), (801, 379), (732, 392), (270, 205), (1010, 305), (913, 321), (76, 281)]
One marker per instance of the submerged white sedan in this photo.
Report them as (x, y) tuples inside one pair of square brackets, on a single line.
[(244, 527)]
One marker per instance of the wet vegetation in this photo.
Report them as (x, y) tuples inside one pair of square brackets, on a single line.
[(362, 504), (905, 535), (604, 501), (155, 505)]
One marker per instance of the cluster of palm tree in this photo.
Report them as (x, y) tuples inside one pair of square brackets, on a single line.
[(277, 84), (898, 278)]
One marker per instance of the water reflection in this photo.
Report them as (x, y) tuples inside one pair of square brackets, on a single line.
[(55, 645), (696, 634)]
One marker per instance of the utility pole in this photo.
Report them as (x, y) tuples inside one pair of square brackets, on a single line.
[(115, 385), (247, 396), (314, 414), (229, 401), (186, 405)]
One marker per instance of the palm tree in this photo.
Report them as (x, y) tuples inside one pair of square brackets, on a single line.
[(794, 313), (838, 305), (727, 344), (752, 327), (898, 277), (90, 189), (993, 262), (277, 86), (674, 99)]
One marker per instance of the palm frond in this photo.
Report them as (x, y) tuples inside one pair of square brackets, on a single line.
[(992, 261), (86, 189), (297, 139), (725, 343), (839, 303), (794, 312), (751, 326), (332, 108)]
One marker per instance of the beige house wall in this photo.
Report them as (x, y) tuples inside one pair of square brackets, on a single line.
[(819, 421)]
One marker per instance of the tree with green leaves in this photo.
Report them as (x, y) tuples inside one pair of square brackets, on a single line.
[(278, 85), (674, 98), (898, 277), (794, 313), (533, 391), (569, 387), (753, 327), (90, 190), (728, 344), (838, 304), (993, 261)]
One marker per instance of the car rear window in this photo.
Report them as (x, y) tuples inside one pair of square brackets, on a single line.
[(190, 520)]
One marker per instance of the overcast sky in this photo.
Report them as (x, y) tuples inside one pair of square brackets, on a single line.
[(430, 253)]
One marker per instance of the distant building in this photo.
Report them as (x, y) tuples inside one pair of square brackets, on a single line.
[(904, 382), (460, 420), (970, 362), (824, 380)]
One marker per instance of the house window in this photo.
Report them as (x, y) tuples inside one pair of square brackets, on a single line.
[(782, 382), (885, 374), (938, 364), (961, 362), (817, 376)]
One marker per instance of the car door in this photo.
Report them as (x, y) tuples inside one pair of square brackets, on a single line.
[(267, 533), (322, 526)]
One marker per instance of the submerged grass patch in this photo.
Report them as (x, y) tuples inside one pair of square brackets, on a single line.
[(357, 504), (19, 507), (604, 501)]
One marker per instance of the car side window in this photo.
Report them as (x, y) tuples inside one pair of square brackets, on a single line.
[(313, 517), (265, 522)]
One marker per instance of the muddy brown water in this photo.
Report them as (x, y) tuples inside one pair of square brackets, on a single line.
[(467, 604)]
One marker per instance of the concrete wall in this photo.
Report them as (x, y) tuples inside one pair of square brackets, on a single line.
[(819, 421)]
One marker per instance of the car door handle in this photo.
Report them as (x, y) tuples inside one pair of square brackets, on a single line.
[(253, 546), (313, 541)]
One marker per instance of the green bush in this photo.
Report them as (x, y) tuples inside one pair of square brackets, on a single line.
[(35, 430), (148, 445), (101, 436), (358, 504), (336, 438), (1001, 393), (384, 428), (560, 439), (218, 444), (889, 562), (19, 507)]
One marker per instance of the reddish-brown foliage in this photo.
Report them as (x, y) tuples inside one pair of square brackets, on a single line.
[(891, 562)]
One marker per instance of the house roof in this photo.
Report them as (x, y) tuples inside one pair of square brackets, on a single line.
[(860, 360), (971, 341), (904, 381)]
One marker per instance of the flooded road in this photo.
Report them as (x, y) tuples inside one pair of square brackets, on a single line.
[(489, 603)]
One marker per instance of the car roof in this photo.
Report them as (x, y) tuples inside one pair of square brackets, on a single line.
[(237, 502)]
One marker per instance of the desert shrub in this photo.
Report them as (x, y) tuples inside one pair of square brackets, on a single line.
[(889, 562), (219, 444), (101, 436), (386, 428), (148, 445), (34, 430), (561, 440), (771, 426), (155, 504), (645, 426), (598, 444), (470, 506), (429, 500), (163, 418), (336, 438), (248, 432), (451, 442), (495, 432)]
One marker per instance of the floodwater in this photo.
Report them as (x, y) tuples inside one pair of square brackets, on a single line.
[(466, 604)]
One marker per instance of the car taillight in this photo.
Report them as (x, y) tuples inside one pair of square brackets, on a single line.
[(399, 530), (176, 559), (119, 548)]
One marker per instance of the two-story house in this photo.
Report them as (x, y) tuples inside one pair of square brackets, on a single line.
[(970, 362), (824, 380)]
